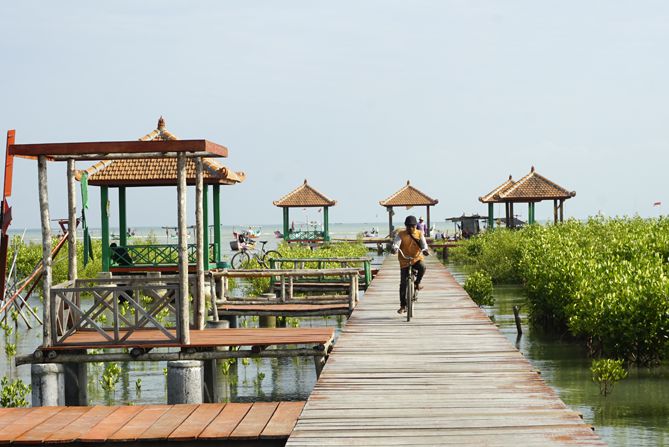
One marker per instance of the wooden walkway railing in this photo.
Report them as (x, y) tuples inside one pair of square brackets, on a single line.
[(447, 377)]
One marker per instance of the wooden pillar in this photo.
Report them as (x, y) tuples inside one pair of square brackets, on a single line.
[(506, 214), (286, 224), (122, 219), (46, 248), (199, 246), (529, 213), (427, 233), (183, 325), (511, 218), (555, 211), (104, 221), (326, 224), (217, 223), (390, 222), (561, 210), (491, 216), (205, 224), (71, 222)]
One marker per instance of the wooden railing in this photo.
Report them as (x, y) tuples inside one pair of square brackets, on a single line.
[(365, 263), (305, 235), (153, 255), (116, 309)]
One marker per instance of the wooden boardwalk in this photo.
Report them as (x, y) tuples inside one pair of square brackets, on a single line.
[(270, 422), (447, 377)]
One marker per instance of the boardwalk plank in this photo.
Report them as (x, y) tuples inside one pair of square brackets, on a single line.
[(226, 421), (168, 422), (134, 428), (196, 422), (51, 425), (283, 420), (27, 420), (78, 427), (255, 421), (101, 431)]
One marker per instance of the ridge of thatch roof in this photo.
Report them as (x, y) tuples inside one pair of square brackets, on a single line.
[(408, 195), (304, 196), (493, 195), (532, 187)]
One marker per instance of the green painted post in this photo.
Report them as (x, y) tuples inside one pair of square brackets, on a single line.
[(104, 214), (286, 217), (491, 216), (217, 223), (122, 219), (368, 273), (205, 223), (326, 224)]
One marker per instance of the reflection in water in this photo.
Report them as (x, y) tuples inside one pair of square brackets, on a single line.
[(635, 414)]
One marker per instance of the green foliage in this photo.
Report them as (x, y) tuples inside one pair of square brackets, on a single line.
[(479, 287), (606, 281), (14, 393), (10, 349), (329, 250), (110, 377), (606, 372)]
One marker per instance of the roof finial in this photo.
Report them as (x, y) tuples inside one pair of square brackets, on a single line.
[(161, 123), (408, 182), (305, 181), (532, 170), (510, 177)]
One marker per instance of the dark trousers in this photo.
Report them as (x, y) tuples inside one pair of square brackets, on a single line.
[(419, 268)]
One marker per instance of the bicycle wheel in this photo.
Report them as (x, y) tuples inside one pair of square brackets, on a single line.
[(271, 254), (240, 260), (409, 298)]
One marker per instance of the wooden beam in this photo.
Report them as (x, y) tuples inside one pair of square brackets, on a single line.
[(199, 246), (46, 249), (217, 224), (71, 222), (119, 149), (183, 324)]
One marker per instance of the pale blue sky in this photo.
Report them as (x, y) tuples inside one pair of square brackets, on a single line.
[(356, 96)]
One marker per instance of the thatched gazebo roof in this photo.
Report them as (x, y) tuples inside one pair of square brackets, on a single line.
[(531, 188), (409, 196), (156, 171), (304, 196)]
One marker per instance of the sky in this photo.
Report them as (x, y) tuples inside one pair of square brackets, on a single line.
[(357, 97)]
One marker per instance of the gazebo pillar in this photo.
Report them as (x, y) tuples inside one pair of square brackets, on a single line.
[(512, 220), (390, 221), (71, 221), (286, 225), (122, 217), (217, 224), (205, 224), (46, 248), (561, 210), (530, 213), (427, 233), (326, 224), (491, 216), (183, 323), (555, 211), (104, 221), (200, 303)]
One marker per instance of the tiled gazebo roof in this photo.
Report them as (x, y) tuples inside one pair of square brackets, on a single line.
[(304, 196), (409, 196), (158, 171), (532, 187)]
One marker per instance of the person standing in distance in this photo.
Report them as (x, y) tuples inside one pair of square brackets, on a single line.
[(422, 226), (412, 243)]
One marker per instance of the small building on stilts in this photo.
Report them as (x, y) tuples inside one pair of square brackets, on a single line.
[(408, 196), (530, 189), (305, 196)]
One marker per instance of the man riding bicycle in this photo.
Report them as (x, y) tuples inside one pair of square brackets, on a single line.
[(412, 244)]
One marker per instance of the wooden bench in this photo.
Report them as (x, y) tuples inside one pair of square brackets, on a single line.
[(284, 310)]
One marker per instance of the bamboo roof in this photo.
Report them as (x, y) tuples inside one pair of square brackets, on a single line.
[(409, 196), (304, 196), (531, 188), (156, 171)]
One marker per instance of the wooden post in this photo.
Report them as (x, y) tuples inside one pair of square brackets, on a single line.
[(326, 224), (104, 221), (122, 218), (390, 222), (71, 221), (561, 210), (516, 316), (212, 293), (46, 248), (217, 224), (512, 219), (290, 288), (199, 246), (183, 304), (286, 224), (283, 288), (427, 233), (205, 225), (555, 211), (491, 216)]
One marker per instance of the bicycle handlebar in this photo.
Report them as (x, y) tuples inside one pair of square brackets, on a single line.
[(409, 258)]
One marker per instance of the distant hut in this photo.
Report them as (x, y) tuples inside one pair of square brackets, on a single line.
[(408, 196), (305, 196), (142, 172), (530, 189), (468, 226)]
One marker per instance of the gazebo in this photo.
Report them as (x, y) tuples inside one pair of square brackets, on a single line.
[(305, 196), (408, 196), (125, 173), (530, 189)]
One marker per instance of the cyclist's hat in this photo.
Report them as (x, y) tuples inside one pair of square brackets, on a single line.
[(411, 220)]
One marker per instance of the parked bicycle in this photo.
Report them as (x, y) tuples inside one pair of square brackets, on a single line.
[(248, 250), (411, 290)]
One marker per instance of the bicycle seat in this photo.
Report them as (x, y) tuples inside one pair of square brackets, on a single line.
[(263, 242)]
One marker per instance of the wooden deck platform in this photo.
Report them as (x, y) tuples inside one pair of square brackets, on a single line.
[(448, 377), (271, 422), (284, 310)]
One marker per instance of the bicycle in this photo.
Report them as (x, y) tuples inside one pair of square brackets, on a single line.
[(411, 291), (247, 250)]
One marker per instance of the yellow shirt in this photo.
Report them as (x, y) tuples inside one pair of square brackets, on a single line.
[(409, 246)]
